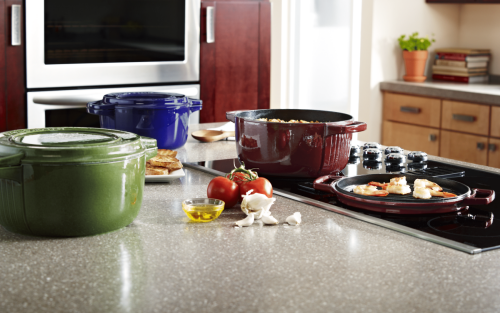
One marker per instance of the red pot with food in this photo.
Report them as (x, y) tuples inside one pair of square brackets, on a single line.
[(292, 142)]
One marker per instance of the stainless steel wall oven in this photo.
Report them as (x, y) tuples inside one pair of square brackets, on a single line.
[(112, 43)]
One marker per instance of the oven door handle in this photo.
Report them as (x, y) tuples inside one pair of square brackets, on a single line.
[(81, 101)]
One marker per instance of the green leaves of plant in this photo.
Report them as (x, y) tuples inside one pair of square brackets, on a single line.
[(414, 43)]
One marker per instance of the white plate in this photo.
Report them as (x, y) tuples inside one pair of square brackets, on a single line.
[(165, 178)]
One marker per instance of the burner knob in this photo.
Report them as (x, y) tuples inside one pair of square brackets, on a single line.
[(372, 165), (395, 159), (353, 160), (371, 154), (416, 166), (389, 150), (371, 145), (417, 156), (354, 151)]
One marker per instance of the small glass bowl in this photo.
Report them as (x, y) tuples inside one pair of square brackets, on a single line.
[(202, 210)]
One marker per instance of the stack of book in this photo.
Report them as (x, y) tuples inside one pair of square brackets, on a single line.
[(461, 65)]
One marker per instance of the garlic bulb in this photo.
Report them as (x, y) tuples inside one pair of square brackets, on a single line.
[(269, 220), (294, 219), (256, 203), (247, 221)]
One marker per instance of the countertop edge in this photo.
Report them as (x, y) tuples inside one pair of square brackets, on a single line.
[(440, 92)]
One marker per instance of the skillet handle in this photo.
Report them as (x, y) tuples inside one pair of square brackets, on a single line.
[(319, 183), (487, 196), (355, 127)]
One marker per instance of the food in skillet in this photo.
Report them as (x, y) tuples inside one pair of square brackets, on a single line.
[(397, 185), (367, 190), (427, 184), (422, 193), (424, 189), (277, 120), (398, 189), (163, 163)]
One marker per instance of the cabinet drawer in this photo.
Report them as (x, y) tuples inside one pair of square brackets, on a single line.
[(412, 109), (464, 147), (495, 122), (411, 137), (494, 152), (466, 117)]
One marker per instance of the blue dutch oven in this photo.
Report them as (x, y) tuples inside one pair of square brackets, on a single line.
[(162, 116)]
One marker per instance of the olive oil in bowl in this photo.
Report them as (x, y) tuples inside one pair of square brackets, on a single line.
[(203, 210)]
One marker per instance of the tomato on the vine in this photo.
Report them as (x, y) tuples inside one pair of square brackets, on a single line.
[(224, 189), (248, 179), (237, 183), (259, 185), (238, 177)]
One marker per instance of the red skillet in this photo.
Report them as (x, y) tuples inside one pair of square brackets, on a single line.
[(403, 204)]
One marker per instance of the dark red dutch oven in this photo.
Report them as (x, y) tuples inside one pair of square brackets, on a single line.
[(294, 149), (403, 204)]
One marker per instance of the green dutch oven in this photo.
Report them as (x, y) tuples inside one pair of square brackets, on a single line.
[(68, 181)]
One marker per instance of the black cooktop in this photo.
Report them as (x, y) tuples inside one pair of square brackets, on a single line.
[(472, 229)]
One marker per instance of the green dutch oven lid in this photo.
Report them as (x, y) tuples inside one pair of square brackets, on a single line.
[(72, 145)]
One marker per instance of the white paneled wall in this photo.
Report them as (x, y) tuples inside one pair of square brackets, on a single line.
[(480, 28), (383, 21)]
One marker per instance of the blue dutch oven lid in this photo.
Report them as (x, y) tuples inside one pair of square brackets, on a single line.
[(142, 100)]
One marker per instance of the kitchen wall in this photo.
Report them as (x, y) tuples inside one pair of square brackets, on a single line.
[(380, 23), (479, 28), (383, 21)]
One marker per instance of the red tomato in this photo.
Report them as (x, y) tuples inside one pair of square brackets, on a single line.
[(224, 189), (260, 185), (239, 177)]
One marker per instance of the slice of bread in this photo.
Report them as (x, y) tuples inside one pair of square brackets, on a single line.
[(166, 152), (166, 161), (156, 170)]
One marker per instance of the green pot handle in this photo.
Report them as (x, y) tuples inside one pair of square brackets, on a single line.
[(150, 147), (10, 160)]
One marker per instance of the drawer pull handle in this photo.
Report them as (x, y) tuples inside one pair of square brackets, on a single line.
[(210, 25), (15, 36), (464, 118), (432, 137), (492, 147), (480, 146), (410, 110)]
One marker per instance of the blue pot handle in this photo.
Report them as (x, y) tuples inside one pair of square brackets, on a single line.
[(97, 108), (195, 104)]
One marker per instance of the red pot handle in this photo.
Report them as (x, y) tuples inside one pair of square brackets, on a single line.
[(231, 115), (355, 127), (487, 197), (319, 183)]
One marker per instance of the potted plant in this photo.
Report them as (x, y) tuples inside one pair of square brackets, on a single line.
[(415, 55)]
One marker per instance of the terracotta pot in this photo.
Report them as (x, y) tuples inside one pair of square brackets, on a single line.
[(415, 65)]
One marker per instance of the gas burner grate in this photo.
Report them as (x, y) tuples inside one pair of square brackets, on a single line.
[(441, 172)]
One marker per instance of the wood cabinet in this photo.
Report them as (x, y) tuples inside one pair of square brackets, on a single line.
[(495, 122), (494, 152), (412, 109), (467, 132), (12, 72), (411, 137), (464, 147), (235, 67), (466, 117)]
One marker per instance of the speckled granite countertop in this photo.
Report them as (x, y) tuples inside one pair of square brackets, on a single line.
[(475, 93), (163, 263)]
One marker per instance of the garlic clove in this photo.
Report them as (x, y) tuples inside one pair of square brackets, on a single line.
[(269, 220), (256, 203), (294, 219), (247, 221)]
